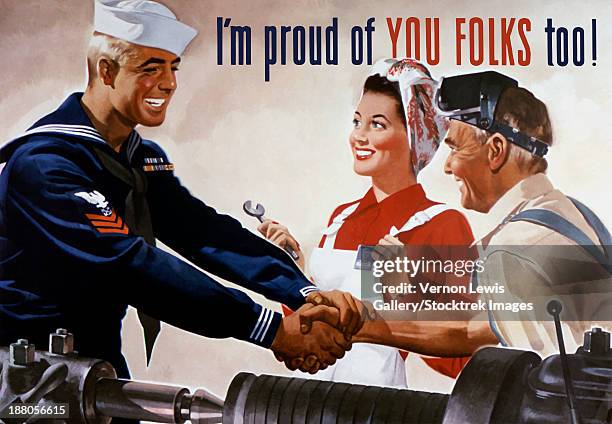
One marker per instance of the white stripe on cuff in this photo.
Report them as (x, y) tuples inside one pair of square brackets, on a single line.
[(261, 314), (305, 291), (265, 332), (264, 324)]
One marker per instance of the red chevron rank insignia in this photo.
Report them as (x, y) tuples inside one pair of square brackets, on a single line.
[(107, 220), (108, 224)]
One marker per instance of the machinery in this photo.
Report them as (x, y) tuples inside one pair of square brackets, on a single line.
[(497, 386)]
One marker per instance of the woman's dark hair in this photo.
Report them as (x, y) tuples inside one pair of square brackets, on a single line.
[(379, 84)]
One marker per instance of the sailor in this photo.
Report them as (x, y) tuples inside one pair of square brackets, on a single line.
[(83, 198)]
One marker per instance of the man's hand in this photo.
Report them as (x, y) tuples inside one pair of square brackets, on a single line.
[(336, 308), (280, 236), (321, 347)]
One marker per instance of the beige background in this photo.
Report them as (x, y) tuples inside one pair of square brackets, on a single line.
[(284, 143)]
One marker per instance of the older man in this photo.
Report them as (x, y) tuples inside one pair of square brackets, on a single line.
[(83, 199), (546, 245)]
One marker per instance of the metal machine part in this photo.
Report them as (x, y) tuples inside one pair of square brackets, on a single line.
[(61, 342), (91, 389), (22, 353), (270, 399), (591, 374), (141, 401), (73, 385), (490, 386), (496, 386), (156, 402)]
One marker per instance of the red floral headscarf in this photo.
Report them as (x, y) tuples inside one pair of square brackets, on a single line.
[(425, 126)]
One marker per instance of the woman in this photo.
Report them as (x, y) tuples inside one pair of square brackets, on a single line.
[(396, 132)]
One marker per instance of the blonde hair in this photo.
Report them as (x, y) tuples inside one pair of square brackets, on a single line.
[(102, 46)]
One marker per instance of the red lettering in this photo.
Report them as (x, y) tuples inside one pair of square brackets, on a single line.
[(476, 24), (459, 35), (492, 60), (433, 59), (524, 57), (410, 24), (506, 41), (394, 34)]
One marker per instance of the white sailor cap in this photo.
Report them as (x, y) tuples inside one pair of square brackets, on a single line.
[(143, 22)]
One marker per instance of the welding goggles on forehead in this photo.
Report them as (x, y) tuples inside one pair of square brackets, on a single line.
[(472, 98)]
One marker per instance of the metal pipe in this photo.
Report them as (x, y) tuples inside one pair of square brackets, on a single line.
[(141, 401), (554, 308), (202, 407)]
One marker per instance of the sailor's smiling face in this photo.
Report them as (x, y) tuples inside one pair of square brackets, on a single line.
[(143, 86)]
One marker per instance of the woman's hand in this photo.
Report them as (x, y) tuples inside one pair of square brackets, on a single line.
[(389, 240), (387, 248), (280, 236), (390, 248)]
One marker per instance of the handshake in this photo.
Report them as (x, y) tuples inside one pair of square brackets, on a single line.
[(320, 332)]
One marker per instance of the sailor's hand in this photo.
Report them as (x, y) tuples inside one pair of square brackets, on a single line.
[(280, 235), (311, 352), (337, 308)]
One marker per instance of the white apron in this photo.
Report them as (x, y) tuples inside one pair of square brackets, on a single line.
[(334, 269)]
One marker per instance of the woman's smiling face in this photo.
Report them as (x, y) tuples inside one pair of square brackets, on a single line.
[(379, 139)]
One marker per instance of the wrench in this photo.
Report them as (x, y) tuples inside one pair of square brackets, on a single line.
[(258, 212)]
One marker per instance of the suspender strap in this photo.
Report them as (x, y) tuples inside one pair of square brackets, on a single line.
[(331, 231), (562, 226), (420, 218), (593, 220), (492, 322)]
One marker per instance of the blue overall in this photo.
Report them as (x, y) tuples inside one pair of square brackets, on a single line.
[(557, 223)]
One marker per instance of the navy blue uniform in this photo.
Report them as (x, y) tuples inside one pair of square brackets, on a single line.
[(68, 259)]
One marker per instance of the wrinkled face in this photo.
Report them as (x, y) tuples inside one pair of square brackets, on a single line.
[(468, 164), (144, 85), (378, 141)]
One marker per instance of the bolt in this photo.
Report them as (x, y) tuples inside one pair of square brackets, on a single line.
[(22, 353), (61, 342), (597, 341)]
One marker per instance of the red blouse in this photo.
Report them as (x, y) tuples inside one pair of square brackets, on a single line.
[(372, 220)]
